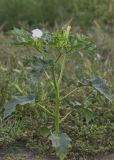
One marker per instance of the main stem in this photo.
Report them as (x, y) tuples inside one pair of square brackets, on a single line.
[(57, 95), (56, 114)]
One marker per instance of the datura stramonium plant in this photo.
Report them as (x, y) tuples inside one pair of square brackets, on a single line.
[(63, 43)]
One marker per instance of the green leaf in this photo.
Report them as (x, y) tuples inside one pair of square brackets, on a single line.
[(22, 36), (44, 131), (18, 100), (100, 85), (40, 64), (61, 143)]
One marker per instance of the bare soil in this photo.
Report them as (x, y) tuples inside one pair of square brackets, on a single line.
[(17, 151), (22, 154)]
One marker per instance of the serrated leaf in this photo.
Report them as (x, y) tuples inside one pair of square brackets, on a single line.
[(61, 143), (23, 37), (44, 131), (10, 107), (84, 43), (100, 85), (39, 65)]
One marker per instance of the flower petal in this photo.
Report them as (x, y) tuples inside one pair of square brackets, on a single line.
[(37, 33)]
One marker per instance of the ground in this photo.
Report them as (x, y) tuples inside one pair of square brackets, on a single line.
[(19, 152), (22, 154)]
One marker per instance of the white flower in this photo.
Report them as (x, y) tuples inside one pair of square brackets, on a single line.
[(37, 33)]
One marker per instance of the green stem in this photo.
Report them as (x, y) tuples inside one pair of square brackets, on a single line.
[(58, 57), (48, 78), (57, 94), (57, 112), (69, 94), (57, 107), (45, 109), (62, 70), (65, 117)]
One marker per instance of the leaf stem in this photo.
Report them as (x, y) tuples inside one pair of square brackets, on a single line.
[(65, 116), (69, 94), (45, 109), (58, 57), (48, 78)]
